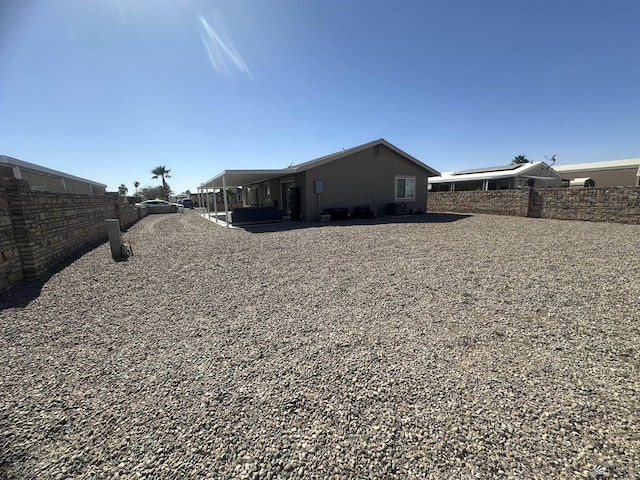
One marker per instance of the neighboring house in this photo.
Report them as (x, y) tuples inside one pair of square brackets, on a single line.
[(373, 178), (46, 179), (612, 173), (535, 174)]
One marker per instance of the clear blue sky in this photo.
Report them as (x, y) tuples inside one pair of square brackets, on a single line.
[(110, 89)]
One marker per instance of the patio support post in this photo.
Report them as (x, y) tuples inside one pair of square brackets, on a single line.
[(224, 195), (208, 203), (215, 203)]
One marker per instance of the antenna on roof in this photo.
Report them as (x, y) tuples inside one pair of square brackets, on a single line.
[(552, 159)]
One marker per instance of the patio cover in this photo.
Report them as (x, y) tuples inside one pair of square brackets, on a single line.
[(237, 178), (494, 173)]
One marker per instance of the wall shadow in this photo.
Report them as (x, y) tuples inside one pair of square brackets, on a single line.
[(21, 294), (424, 218)]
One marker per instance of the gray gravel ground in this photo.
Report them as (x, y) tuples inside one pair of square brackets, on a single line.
[(485, 347)]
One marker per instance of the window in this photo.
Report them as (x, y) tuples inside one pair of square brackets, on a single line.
[(253, 196), (405, 188)]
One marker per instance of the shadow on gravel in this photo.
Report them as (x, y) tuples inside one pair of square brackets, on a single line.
[(20, 295), (384, 220)]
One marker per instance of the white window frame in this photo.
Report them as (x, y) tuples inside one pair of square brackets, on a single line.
[(395, 187)]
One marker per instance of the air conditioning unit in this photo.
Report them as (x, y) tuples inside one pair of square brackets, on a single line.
[(397, 208)]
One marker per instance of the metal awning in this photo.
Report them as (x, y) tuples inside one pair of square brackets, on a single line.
[(237, 178)]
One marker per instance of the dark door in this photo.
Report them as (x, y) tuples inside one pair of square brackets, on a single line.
[(294, 203)]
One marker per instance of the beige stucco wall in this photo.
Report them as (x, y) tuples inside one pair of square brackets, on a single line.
[(366, 177), (619, 177)]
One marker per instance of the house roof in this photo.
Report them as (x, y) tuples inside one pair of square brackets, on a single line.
[(606, 165), (234, 178), (524, 170), (32, 167), (301, 167)]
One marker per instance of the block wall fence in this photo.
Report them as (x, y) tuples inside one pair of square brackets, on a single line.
[(605, 204), (39, 230)]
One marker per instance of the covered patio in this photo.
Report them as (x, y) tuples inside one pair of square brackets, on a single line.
[(230, 179), (506, 177)]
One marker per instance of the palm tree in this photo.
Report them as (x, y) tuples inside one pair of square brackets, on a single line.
[(136, 184), (163, 173), (519, 159), (122, 189)]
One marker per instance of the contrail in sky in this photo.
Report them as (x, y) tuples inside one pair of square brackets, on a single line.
[(220, 52)]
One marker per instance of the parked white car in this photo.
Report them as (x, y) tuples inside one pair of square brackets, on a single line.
[(160, 203)]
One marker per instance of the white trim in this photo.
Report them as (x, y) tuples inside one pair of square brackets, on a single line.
[(32, 167), (604, 165), (395, 187)]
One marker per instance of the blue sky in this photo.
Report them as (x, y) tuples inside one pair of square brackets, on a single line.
[(110, 89)]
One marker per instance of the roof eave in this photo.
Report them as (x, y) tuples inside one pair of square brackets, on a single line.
[(250, 176), (381, 141)]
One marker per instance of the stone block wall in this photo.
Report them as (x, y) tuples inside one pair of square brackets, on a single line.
[(606, 204), (495, 202), (127, 213), (10, 261), (157, 210), (39, 230), (603, 204)]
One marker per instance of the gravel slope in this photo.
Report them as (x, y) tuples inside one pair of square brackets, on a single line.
[(487, 347)]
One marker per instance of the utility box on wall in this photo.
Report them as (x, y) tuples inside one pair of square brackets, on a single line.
[(318, 186)]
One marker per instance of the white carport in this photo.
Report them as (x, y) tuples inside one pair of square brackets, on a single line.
[(235, 178), (482, 177)]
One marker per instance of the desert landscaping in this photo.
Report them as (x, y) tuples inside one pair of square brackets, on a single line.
[(430, 346)]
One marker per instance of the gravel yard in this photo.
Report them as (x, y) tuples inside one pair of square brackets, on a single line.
[(482, 347)]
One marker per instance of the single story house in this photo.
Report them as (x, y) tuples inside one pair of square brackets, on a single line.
[(534, 174), (46, 179), (373, 178), (611, 173)]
